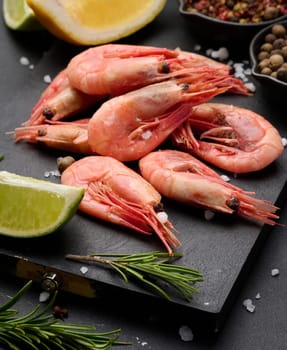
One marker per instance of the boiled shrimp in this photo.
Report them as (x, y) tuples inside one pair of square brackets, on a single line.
[(117, 194), (118, 68), (70, 136), (181, 177), (60, 100), (129, 126), (232, 138), (114, 69)]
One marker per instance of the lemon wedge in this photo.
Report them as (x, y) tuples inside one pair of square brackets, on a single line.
[(94, 22), (19, 16), (31, 208)]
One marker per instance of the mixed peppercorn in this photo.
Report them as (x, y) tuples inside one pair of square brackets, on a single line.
[(242, 11), (272, 55)]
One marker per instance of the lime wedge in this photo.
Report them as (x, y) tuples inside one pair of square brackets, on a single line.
[(19, 16), (30, 207)]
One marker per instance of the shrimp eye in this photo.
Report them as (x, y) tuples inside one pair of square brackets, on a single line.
[(164, 68), (158, 207), (233, 203), (185, 87), (48, 113)]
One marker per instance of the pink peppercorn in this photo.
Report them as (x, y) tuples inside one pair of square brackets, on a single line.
[(241, 11)]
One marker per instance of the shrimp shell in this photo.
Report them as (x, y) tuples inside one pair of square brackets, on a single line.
[(181, 177), (129, 126), (232, 138), (69, 136), (117, 194)]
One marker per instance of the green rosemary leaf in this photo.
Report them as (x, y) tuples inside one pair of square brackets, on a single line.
[(38, 330), (15, 298), (124, 276), (150, 268)]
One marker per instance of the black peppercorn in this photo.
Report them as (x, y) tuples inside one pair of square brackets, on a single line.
[(282, 74)]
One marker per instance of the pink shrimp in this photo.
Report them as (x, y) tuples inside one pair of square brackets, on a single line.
[(129, 126), (181, 177), (117, 68), (113, 69), (117, 194), (70, 136), (241, 141), (60, 100)]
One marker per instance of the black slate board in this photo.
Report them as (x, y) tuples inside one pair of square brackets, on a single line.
[(222, 249)]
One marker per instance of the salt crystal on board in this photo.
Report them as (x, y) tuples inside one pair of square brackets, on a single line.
[(47, 79), (185, 333), (225, 178), (250, 86), (44, 296), (275, 272), (247, 303), (24, 61), (222, 54), (84, 270), (208, 214)]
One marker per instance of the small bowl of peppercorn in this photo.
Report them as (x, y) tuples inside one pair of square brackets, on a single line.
[(230, 23), (268, 55)]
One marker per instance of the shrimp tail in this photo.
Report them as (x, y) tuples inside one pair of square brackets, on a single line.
[(129, 215), (258, 209)]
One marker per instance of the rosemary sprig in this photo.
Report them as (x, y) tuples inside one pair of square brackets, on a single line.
[(150, 268), (38, 329)]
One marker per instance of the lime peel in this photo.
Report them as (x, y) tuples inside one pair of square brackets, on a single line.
[(19, 16), (31, 208)]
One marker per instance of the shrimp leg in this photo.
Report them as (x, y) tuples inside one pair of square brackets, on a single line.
[(117, 194)]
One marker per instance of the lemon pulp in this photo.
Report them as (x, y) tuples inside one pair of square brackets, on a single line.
[(93, 22)]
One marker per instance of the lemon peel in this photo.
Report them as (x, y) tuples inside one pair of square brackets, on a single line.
[(94, 22)]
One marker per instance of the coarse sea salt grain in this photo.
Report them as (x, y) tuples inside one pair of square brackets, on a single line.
[(208, 215), (250, 86), (275, 272), (185, 333), (162, 216), (49, 173), (47, 79), (222, 54), (24, 61), (44, 296), (84, 269), (225, 178), (247, 303), (258, 296)]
